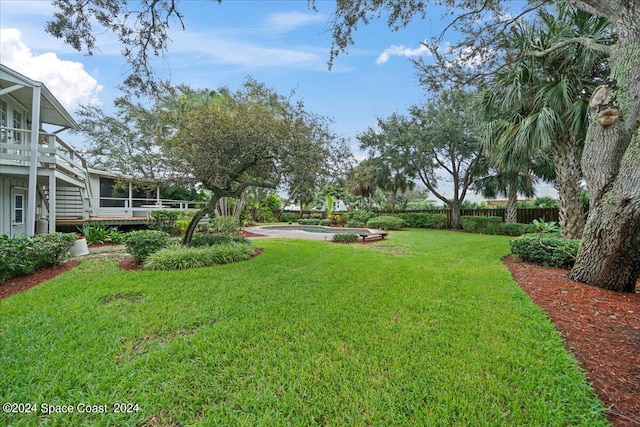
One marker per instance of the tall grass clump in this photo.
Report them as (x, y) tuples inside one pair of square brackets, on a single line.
[(184, 257)]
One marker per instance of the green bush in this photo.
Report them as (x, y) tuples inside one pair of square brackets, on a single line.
[(94, 232), (386, 222), (559, 252), (115, 236), (22, 255), (309, 221), (50, 249), (424, 220), (166, 221), (265, 214), (360, 216), (345, 237), (183, 257), (515, 229), (210, 239), (481, 224), (324, 222), (143, 243), (289, 217), (353, 223)]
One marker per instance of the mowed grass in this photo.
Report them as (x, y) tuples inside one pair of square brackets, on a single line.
[(424, 329)]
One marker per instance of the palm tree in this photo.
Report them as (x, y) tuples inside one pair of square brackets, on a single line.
[(361, 181), (304, 197), (541, 102)]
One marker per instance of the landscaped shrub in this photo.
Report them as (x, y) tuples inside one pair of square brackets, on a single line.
[(183, 257), (555, 251), (210, 239), (265, 214), (324, 222), (424, 220), (50, 249), (481, 224), (166, 221), (386, 222), (345, 237), (226, 224), (308, 221), (340, 220), (96, 233), (289, 217), (515, 229), (353, 223), (22, 255), (143, 243), (361, 216)]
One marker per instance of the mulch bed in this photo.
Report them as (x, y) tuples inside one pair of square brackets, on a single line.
[(22, 283), (602, 328)]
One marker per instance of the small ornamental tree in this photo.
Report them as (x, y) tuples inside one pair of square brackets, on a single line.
[(230, 141)]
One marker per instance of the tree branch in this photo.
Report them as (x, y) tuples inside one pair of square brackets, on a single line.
[(587, 42)]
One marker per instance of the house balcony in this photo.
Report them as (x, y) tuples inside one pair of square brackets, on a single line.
[(53, 154)]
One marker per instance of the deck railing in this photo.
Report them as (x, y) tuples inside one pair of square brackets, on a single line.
[(121, 207), (15, 150)]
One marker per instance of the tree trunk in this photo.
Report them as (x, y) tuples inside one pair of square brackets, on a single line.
[(455, 216), (611, 165), (191, 228), (568, 176), (511, 215)]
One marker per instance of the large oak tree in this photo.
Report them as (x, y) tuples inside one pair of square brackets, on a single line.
[(609, 256)]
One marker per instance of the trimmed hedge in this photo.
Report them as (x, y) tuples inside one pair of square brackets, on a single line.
[(424, 220), (143, 243), (289, 217), (494, 225), (345, 237), (481, 224), (309, 221), (386, 222), (559, 252), (22, 255), (183, 257)]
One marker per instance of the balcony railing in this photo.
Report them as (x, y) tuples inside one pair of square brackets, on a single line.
[(15, 150)]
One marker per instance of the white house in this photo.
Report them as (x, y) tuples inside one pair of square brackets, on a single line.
[(44, 183)]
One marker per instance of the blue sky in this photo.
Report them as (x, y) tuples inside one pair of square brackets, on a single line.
[(280, 43)]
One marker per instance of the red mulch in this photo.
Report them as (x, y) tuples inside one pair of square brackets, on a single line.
[(602, 328), (22, 283)]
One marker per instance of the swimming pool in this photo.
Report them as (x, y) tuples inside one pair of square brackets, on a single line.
[(307, 232), (315, 229)]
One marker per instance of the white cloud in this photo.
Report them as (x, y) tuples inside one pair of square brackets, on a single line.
[(67, 80), (288, 21), (220, 48), (401, 50)]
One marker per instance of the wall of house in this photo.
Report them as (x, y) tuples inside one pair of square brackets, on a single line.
[(7, 184)]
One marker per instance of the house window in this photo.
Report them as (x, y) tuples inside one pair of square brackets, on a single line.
[(18, 209)]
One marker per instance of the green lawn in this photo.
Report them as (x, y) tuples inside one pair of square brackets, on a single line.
[(424, 329)]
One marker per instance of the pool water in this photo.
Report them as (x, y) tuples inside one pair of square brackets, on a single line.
[(317, 229)]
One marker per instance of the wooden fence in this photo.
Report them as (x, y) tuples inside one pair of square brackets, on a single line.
[(525, 215)]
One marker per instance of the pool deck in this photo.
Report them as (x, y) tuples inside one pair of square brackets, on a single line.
[(266, 231)]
